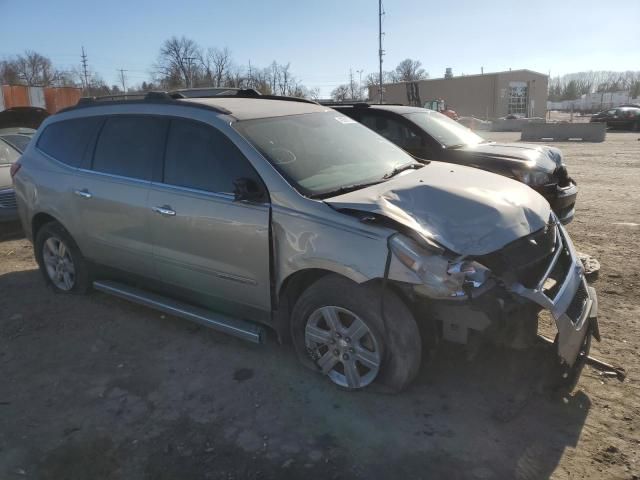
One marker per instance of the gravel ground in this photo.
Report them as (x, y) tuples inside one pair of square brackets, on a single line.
[(96, 388)]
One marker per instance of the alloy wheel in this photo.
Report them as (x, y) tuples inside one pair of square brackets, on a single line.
[(343, 346), (59, 263)]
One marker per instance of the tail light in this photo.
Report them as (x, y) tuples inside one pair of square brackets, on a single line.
[(15, 167)]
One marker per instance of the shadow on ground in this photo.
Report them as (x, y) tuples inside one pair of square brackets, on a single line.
[(94, 387)]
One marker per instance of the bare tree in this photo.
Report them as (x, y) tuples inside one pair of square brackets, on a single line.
[(409, 70), (341, 93), (8, 73), (220, 61), (176, 65), (34, 69)]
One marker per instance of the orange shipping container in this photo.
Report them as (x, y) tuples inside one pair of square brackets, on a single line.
[(59, 98), (55, 98), (15, 96)]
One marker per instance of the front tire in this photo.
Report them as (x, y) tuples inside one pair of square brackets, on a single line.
[(338, 329), (64, 268)]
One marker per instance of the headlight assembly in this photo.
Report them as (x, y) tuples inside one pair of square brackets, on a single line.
[(441, 277), (534, 178)]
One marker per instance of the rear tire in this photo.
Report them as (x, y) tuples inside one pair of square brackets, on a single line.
[(62, 265), (332, 311)]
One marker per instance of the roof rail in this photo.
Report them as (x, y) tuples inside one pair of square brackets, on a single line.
[(248, 94), (126, 96), (139, 98), (330, 103), (210, 92)]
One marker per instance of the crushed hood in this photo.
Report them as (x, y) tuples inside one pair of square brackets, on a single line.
[(468, 211), (537, 157)]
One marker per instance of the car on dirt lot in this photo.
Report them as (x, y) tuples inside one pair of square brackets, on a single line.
[(430, 135), (627, 117), (241, 213), (13, 141)]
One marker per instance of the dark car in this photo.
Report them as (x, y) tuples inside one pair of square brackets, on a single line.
[(620, 117), (430, 135)]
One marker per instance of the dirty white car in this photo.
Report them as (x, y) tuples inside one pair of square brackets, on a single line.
[(241, 213)]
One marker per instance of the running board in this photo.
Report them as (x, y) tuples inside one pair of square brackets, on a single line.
[(233, 326)]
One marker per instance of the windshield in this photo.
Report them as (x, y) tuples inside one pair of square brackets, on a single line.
[(445, 130), (322, 153)]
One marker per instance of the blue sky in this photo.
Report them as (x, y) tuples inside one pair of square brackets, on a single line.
[(322, 40)]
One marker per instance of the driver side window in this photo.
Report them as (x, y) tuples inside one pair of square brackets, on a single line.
[(200, 157)]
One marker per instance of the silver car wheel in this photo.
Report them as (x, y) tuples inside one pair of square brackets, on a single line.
[(59, 264), (343, 347)]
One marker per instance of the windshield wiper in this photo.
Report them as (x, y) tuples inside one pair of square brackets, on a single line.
[(345, 189), (402, 168)]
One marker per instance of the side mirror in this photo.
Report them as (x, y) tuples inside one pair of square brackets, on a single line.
[(248, 190)]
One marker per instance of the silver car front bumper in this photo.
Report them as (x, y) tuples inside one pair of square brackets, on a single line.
[(572, 303)]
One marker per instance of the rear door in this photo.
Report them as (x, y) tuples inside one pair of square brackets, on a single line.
[(205, 242), (111, 194)]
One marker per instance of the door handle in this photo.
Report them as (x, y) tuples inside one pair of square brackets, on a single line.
[(84, 193), (164, 210)]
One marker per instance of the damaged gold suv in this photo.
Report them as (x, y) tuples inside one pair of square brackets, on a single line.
[(241, 212)]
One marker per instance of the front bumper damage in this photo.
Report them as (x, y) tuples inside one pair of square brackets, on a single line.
[(507, 313), (572, 303), (562, 200)]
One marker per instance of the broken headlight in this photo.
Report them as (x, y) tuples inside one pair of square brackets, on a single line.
[(441, 277), (534, 178)]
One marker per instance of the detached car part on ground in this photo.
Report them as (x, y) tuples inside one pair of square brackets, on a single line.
[(430, 135), (288, 214)]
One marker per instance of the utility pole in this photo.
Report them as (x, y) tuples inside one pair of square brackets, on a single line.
[(124, 87), (190, 79), (250, 82), (359, 72), (84, 68), (380, 51)]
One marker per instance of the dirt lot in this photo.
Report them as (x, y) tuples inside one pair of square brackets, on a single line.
[(96, 388)]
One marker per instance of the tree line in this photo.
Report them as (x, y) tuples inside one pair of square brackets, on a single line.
[(572, 86), (183, 63)]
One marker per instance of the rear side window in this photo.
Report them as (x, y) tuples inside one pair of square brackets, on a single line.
[(128, 146), (201, 157), (67, 141)]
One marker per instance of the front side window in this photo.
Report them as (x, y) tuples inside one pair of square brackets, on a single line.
[(444, 130), (322, 153), (128, 146), (391, 129), (199, 156), (67, 140)]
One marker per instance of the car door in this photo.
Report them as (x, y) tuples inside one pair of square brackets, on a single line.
[(206, 243), (112, 194)]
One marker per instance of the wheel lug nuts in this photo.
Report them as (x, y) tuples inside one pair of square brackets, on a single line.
[(336, 352), (352, 350), (347, 339), (345, 357), (338, 335)]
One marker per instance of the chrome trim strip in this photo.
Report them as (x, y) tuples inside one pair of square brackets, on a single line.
[(233, 326), (559, 247), (117, 177), (218, 195)]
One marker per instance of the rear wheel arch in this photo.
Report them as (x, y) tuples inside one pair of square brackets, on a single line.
[(40, 219)]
